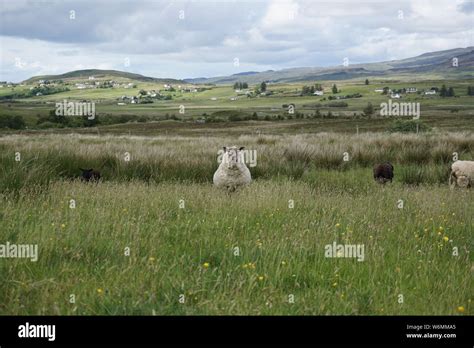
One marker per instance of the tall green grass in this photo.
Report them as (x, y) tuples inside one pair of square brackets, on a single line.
[(281, 249), (417, 158)]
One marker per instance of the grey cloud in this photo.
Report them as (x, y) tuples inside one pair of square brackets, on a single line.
[(212, 33)]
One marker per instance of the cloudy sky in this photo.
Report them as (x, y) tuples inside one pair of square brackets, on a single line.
[(195, 38)]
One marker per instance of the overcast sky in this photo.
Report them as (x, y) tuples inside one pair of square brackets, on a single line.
[(204, 38)]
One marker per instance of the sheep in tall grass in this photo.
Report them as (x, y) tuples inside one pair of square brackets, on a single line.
[(90, 175), (232, 172), (383, 172), (462, 174)]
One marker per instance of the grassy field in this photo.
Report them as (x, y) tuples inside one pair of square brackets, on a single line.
[(445, 113), (155, 237), (156, 229)]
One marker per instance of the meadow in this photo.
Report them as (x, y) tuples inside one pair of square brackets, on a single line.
[(446, 113), (155, 237)]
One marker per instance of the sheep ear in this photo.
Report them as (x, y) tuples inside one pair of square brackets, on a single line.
[(243, 147), (225, 149)]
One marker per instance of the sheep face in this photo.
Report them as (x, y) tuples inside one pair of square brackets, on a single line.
[(463, 181), (233, 156)]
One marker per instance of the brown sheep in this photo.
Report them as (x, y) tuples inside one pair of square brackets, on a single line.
[(383, 172), (90, 175)]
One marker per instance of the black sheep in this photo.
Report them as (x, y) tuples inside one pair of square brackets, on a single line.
[(383, 172), (90, 174)]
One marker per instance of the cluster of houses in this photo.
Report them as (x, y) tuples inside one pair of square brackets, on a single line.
[(397, 94), (182, 89), (87, 85), (44, 83), (104, 84), (136, 99), (10, 84), (248, 93), (6, 84), (156, 94), (242, 91), (188, 89)]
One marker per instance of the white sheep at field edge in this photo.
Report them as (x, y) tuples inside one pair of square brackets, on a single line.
[(462, 174)]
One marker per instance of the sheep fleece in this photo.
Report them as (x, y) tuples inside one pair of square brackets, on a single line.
[(463, 171), (233, 178)]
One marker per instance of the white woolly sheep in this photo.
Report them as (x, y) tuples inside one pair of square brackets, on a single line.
[(462, 174), (232, 172)]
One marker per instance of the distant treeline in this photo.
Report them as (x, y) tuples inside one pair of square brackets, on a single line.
[(241, 85)]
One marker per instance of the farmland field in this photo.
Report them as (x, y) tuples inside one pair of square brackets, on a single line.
[(189, 107), (278, 171), (155, 237)]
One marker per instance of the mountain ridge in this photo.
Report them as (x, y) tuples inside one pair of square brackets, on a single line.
[(437, 62)]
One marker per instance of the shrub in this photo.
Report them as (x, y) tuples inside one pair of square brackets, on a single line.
[(408, 126), (12, 122)]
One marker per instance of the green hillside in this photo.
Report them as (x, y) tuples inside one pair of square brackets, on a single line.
[(101, 74)]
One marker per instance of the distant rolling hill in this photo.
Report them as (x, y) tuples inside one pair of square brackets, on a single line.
[(100, 74), (435, 63)]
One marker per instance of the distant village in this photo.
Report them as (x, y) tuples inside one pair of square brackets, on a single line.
[(397, 93), (44, 87)]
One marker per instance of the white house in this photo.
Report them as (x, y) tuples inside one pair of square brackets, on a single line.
[(379, 90), (431, 92), (395, 96), (411, 90), (213, 98), (318, 93), (91, 78)]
